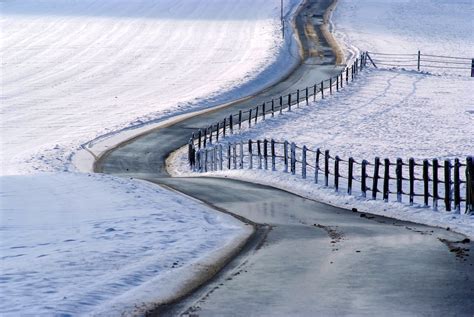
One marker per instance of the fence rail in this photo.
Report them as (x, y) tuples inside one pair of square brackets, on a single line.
[(420, 61), (449, 183)]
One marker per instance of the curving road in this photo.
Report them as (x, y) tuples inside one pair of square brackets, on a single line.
[(307, 258)]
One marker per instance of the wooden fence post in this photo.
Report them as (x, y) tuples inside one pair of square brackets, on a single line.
[(457, 187), (231, 124), (289, 101), (447, 184), (210, 134), (336, 173), (259, 153), (347, 75), (217, 130), (472, 67), (256, 114), (199, 138), (386, 180), (205, 159), (337, 83), (315, 91), (190, 153), (426, 182), (281, 104), (273, 155), (341, 80), (326, 168), (307, 96), (322, 89), (330, 86), (205, 138), (411, 173), (250, 118), (273, 107), (297, 98), (229, 156), (225, 127), (240, 120), (350, 175), (303, 162), (376, 178), (293, 158), (316, 169), (363, 180), (435, 184), (469, 185), (419, 60), (285, 155), (263, 111), (399, 177)]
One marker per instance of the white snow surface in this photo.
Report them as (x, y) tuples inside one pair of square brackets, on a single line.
[(439, 27), (116, 239), (76, 71), (389, 113)]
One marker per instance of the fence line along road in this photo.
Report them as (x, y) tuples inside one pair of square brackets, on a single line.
[(449, 183), (277, 105), (420, 181), (418, 61)]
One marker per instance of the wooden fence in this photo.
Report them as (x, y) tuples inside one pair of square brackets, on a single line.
[(449, 183), (419, 61), (249, 117)]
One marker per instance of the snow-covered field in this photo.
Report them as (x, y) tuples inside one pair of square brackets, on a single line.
[(388, 113), (118, 246), (74, 71), (440, 27)]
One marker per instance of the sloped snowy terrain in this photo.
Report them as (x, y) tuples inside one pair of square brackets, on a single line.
[(388, 113), (73, 71), (117, 238)]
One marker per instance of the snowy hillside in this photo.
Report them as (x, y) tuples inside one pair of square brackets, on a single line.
[(73, 71)]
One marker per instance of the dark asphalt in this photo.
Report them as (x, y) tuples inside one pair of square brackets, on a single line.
[(316, 260)]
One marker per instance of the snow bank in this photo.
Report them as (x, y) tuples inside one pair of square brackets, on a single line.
[(73, 254)]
